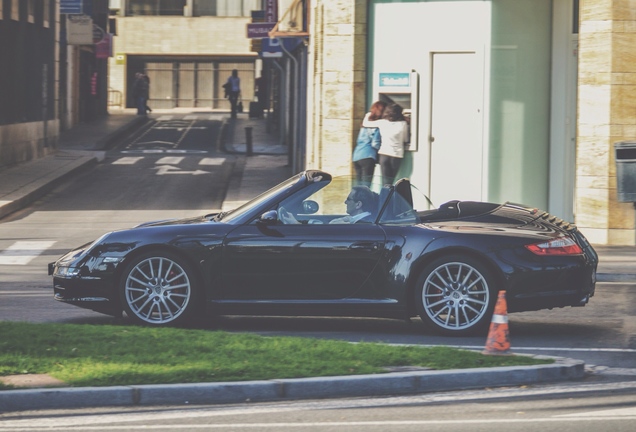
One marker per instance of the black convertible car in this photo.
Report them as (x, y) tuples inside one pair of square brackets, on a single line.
[(318, 245)]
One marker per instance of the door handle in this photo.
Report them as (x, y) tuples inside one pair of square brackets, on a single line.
[(365, 246)]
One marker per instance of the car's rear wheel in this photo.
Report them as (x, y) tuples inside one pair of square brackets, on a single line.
[(159, 289), (455, 295)]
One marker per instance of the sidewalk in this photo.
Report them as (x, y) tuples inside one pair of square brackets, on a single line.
[(266, 167)]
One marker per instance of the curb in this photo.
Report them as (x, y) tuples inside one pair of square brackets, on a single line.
[(616, 277), (107, 141), (396, 383), (25, 195)]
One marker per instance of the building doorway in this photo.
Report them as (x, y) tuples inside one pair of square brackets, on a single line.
[(456, 162)]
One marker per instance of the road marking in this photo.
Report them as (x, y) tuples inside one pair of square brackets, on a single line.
[(169, 160), (127, 160), (98, 423), (613, 413), (169, 169), (169, 151), (23, 252), (180, 128), (156, 142), (212, 161), (165, 118)]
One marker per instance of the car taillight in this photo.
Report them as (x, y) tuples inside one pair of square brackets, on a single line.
[(557, 246)]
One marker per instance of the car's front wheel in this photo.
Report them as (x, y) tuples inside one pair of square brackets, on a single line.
[(158, 289), (455, 295)]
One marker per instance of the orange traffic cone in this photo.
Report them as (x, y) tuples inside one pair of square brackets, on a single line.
[(498, 342)]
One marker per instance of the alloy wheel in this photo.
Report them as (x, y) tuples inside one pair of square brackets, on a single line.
[(456, 296), (157, 290)]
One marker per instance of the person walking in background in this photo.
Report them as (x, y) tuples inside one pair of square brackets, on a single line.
[(233, 86), (365, 153), (147, 78), (140, 93), (394, 133)]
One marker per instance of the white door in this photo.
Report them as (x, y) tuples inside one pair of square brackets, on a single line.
[(456, 128)]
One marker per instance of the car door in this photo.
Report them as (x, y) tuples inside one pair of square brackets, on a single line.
[(300, 262)]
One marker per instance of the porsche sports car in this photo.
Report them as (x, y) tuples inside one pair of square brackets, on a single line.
[(307, 248)]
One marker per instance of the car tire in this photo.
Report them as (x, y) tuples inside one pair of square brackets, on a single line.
[(455, 295), (159, 289)]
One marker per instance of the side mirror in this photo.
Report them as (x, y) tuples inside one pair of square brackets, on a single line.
[(310, 207), (269, 218)]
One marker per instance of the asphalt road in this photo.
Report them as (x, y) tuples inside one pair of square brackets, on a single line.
[(566, 408)]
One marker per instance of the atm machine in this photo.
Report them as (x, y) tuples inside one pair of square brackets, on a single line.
[(401, 88)]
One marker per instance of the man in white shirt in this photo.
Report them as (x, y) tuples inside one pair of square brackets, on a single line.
[(360, 205)]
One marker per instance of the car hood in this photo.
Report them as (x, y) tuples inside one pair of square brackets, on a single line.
[(186, 221)]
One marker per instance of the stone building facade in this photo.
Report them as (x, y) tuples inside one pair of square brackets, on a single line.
[(606, 115), (603, 103)]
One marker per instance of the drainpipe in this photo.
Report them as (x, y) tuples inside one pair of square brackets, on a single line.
[(302, 115), (294, 93), (282, 102)]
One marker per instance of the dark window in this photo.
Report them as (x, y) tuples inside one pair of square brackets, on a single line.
[(200, 7)]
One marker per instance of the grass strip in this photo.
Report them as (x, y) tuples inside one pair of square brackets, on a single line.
[(106, 355)]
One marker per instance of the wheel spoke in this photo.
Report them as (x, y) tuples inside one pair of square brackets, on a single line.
[(173, 287), (140, 282)]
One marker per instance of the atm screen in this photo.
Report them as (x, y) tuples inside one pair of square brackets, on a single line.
[(402, 99)]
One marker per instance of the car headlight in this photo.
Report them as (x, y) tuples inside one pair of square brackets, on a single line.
[(66, 272), (106, 263)]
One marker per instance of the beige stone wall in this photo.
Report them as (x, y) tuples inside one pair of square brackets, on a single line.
[(177, 35), (183, 35), (337, 82), (22, 142), (606, 115)]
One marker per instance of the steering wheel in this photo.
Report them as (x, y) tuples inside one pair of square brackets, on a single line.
[(282, 214)]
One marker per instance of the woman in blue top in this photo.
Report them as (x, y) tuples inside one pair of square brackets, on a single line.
[(365, 153)]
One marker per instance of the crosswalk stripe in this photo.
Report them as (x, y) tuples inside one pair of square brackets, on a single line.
[(23, 252), (169, 160), (165, 118), (127, 160), (212, 161)]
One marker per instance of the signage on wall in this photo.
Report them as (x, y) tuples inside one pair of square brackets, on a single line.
[(98, 34), (270, 48), (79, 30), (259, 30), (71, 6), (104, 48), (395, 79)]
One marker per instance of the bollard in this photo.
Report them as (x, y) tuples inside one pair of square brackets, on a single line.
[(248, 141)]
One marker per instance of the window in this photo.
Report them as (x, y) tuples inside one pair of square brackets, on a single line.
[(46, 13), (225, 7), (31, 11), (200, 7), (15, 10), (155, 7)]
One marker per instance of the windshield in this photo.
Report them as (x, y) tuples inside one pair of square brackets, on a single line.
[(250, 205)]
